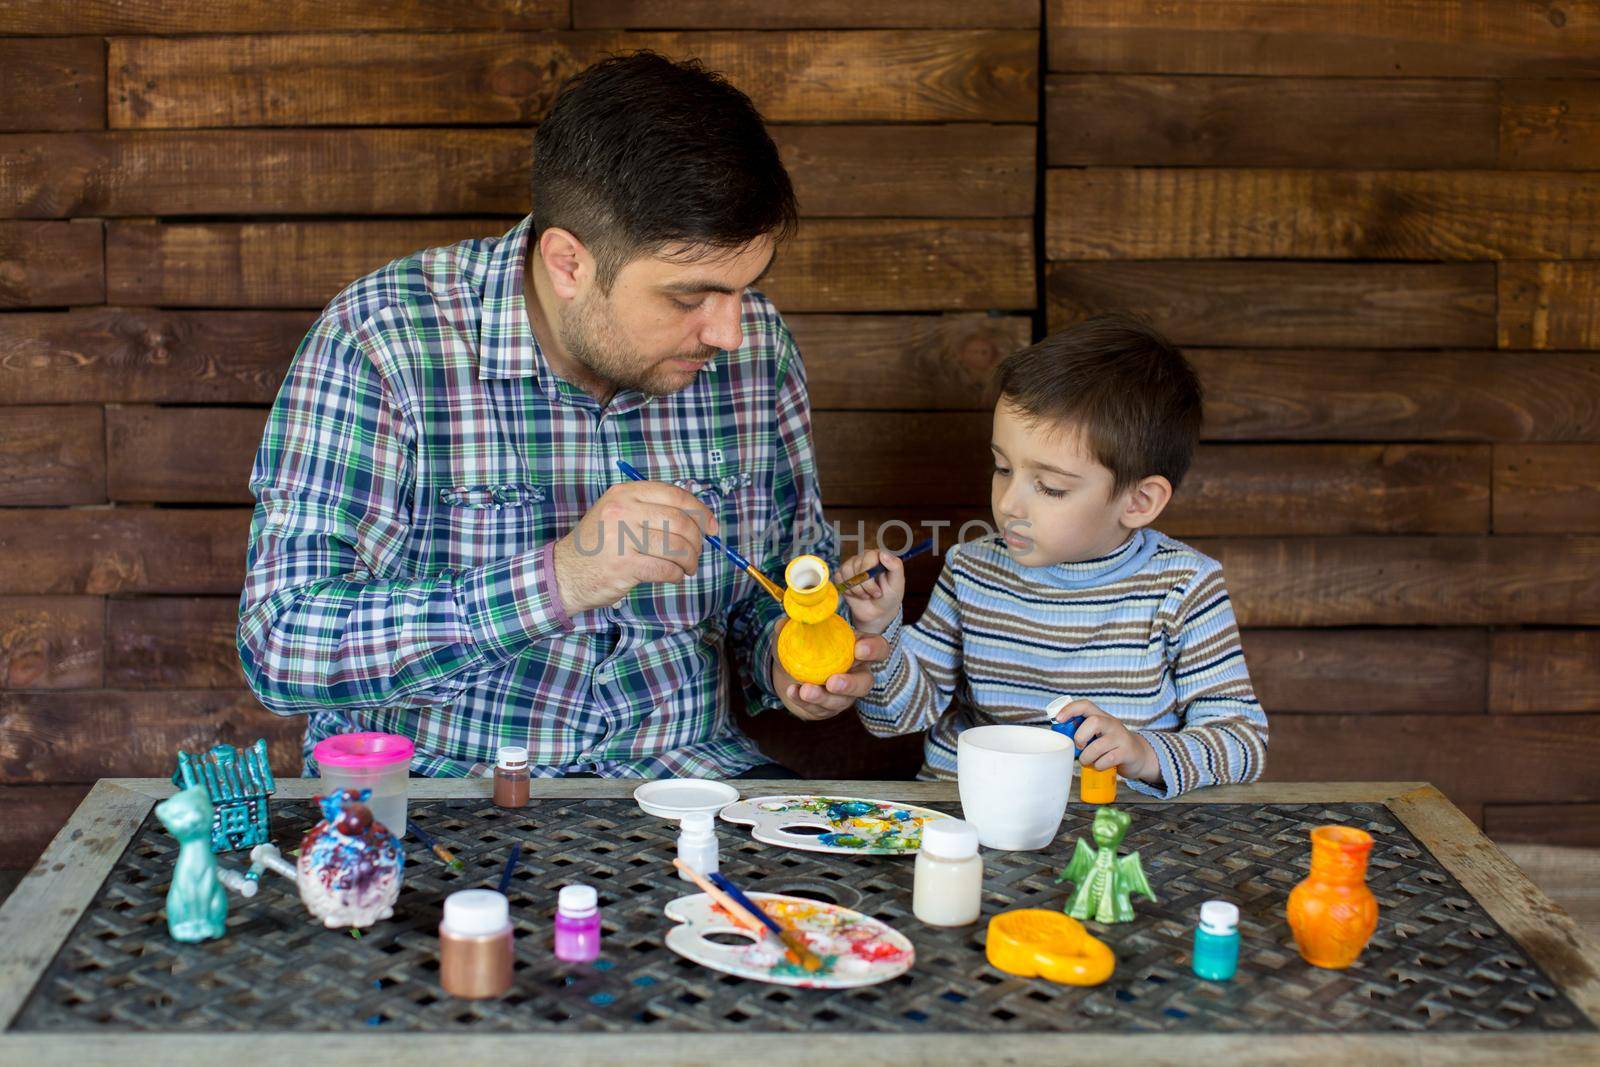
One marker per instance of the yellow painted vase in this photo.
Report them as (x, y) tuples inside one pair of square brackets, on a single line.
[(1332, 912), (816, 643)]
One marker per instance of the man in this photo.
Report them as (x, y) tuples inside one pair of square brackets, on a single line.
[(442, 545)]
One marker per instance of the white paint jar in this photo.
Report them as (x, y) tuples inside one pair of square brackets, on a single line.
[(948, 885), (697, 843)]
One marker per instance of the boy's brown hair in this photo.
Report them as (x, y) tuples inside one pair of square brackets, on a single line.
[(1121, 384)]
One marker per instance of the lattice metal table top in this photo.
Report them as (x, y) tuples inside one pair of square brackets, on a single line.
[(1437, 963)]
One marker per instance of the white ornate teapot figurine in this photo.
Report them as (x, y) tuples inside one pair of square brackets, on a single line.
[(350, 865)]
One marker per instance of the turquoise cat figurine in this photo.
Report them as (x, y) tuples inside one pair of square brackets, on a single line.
[(197, 905)]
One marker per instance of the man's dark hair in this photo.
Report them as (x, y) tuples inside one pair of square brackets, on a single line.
[(639, 153), (1121, 384)]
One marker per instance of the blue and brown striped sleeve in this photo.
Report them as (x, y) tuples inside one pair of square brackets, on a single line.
[(1223, 733), (915, 684)]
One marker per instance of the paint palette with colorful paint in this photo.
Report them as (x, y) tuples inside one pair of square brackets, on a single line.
[(846, 825), (856, 949)]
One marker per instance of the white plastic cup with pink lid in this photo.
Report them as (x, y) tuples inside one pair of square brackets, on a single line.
[(379, 762)]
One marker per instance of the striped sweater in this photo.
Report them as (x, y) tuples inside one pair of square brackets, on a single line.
[(1147, 633)]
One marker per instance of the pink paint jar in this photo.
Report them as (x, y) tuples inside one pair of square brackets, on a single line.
[(379, 762), (578, 924)]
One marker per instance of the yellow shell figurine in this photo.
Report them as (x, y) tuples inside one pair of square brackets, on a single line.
[(1034, 943), (816, 643)]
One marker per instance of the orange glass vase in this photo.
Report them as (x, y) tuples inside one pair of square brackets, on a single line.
[(816, 643), (1332, 912)]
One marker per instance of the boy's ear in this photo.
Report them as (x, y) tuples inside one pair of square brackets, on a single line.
[(566, 261), (1146, 501)]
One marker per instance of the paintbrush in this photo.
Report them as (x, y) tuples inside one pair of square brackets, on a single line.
[(433, 846), (755, 921), (738, 561), (511, 867), (876, 569), (739, 916), (792, 941)]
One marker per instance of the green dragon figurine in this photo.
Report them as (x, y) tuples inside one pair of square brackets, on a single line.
[(1104, 881)]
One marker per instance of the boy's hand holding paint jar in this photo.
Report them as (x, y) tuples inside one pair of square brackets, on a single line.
[(875, 602), (1105, 744)]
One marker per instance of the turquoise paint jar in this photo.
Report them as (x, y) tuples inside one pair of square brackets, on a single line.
[(1216, 941)]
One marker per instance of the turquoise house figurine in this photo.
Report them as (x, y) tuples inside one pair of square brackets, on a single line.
[(197, 905), (238, 783)]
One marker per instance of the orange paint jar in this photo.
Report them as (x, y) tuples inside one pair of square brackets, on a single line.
[(1094, 787), (1097, 787), (1332, 912)]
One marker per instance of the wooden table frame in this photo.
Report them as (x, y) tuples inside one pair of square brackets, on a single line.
[(45, 907)]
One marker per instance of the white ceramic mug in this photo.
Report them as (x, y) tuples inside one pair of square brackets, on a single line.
[(1014, 782)]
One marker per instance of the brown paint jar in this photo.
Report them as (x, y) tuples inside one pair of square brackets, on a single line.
[(476, 946), (511, 777)]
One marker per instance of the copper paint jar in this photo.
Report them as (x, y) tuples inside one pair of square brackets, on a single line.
[(511, 777), (476, 946)]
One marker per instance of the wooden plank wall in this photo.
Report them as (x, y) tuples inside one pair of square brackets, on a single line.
[(1383, 251), (1376, 227), (183, 186)]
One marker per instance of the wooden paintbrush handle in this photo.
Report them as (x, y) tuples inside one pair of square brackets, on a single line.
[(739, 916)]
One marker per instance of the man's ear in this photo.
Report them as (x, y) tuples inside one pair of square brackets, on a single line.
[(1146, 501), (567, 263)]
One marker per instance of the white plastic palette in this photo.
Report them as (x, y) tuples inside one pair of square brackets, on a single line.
[(842, 825), (673, 798), (856, 949)]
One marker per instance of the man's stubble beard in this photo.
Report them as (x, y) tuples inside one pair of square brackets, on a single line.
[(589, 333)]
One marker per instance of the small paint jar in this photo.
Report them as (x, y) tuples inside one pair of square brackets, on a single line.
[(379, 762), (1216, 941), (578, 924), (476, 946), (948, 885), (511, 777), (1094, 787), (697, 843), (1097, 787)]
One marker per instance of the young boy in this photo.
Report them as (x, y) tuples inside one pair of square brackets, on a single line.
[(1078, 595)]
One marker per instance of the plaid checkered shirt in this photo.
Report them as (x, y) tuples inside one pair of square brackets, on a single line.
[(419, 461)]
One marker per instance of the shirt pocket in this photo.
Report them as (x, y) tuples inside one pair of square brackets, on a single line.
[(712, 489), (474, 524), (716, 581), (739, 504)]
